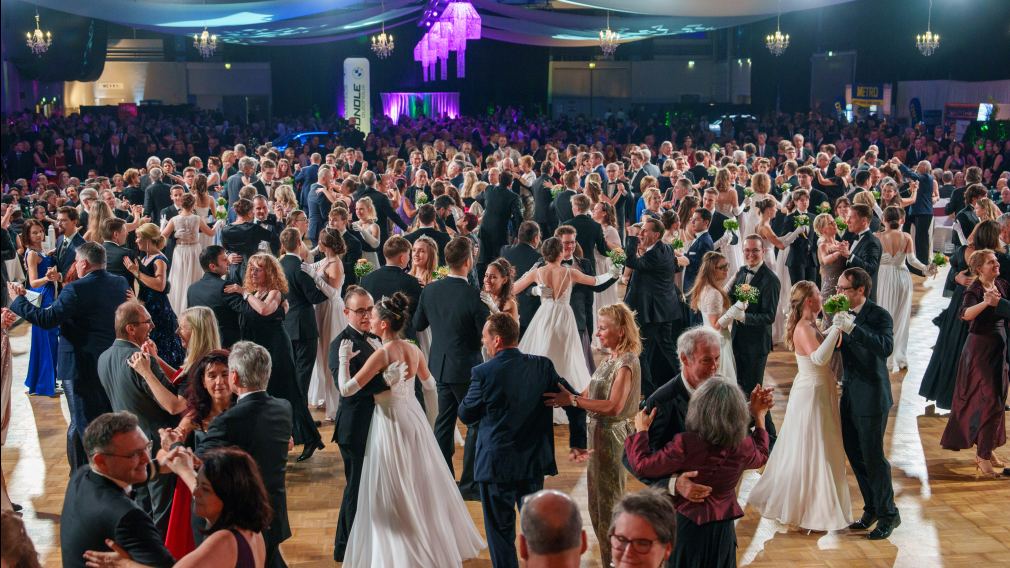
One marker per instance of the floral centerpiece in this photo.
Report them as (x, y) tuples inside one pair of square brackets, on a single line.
[(746, 293), (837, 304), (363, 267)]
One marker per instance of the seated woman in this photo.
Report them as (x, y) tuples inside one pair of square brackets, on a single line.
[(228, 492)]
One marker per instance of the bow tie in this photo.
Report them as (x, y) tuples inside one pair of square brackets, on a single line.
[(749, 271), (853, 313), (567, 262)]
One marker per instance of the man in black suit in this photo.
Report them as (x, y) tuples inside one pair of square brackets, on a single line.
[(260, 425), (78, 160), (85, 311), (68, 242), (523, 256), (157, 196), (115, 158), (752, 332), (354, 414), (561, 207), (300, 324), (589, 233), (543, 214), (500, 222), (454, 311), (866, 400), (861, 248), (114, 237), (209, 292), (800, 259), (97, 505), (384, 211), (124, 371), (426, 228), (392, 277), (805, 178), (655, 300), (307, 177), (516, 438), (339, 221)]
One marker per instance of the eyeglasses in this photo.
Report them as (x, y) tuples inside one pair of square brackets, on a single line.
[(752, 250), (146, 451), (361, 312), (143, 322), (639, 545), (843, 288)]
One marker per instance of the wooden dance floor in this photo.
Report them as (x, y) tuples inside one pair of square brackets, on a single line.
[(948, 517)]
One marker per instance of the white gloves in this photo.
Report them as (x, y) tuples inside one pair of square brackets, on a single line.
[(375, 342), (822, 355), (607, 276), (395, 373), (313, 273), (489, 301), (844, 321), (727, 318), (788, 239), (735, 312), (615, 271), (345, 382), (430, 399), (535, 290), (742, 305)]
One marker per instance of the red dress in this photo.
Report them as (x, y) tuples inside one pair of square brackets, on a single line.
[(977, 417), (179, 535)]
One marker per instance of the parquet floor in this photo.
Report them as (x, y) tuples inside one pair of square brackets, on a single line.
[(948, 517)]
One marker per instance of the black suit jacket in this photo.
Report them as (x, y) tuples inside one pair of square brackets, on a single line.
[(134, 195), (128, 391), (65, 257), (589, 235), (7, 252), (562, 209), (456, 314), (157, 196), (351, 257), (209, 291), (95, 509), (866, 255), (581, 299), (501, 220), (441, 239), (523, 257), (388, 280), (542, 212), (651, 292), (864, 362), (260, 425), (671, 402), (114, 255), (802, 252), (303, 295), (754, 333), (354, 414)]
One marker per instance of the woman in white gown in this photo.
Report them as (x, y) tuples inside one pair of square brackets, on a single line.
[(410, 512), (894, 281), (727, 203), (709, 297), (803, 484), (205, 206), (328, 275), (552, 332), (187, 227), (767, 209), (606, 216)]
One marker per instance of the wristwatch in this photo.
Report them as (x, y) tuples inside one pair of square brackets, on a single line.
[(575, 400)]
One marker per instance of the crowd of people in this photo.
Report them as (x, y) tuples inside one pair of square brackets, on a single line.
[(197, 293)]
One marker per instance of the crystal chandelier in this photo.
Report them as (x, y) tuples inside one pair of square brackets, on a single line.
[(205, 43), (609, 39), (928, 42), (37, 41), (777, 42), (382, 43)]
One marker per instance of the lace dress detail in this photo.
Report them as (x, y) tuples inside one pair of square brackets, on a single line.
[(710, 303)]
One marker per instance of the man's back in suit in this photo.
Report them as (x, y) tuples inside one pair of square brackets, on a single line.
[(563, 207), (651, 291), (157, 196), (441, 239), (209, 292), (114, 255), (454, 311), (502, 217), (300, 321), (589, 235), (128, 391), (389, 279), (523, 257)]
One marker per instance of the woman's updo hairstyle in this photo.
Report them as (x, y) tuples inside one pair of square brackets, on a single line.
[(892, 217), (551, 249), (394, 310)]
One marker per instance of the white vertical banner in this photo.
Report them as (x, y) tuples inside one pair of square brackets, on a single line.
[(357, 93)]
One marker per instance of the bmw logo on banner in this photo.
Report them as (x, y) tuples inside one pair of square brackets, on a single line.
[(357, 93)]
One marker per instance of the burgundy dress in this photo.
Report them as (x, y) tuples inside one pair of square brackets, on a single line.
[(976, 414)]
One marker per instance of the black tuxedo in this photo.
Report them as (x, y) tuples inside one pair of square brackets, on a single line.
[(801, 256), (456, 315), (115, 161), (581, 300), (133, 195), (543, 214), (300, 320), (261, 425), (523, 257), (671, 402), (589, 235), (866, 255), (967, 219), (351, 257), (515, 445), (866, 400), (499, 224), (96, 509), (157, 196), (354, 417), (114, 255), (388, 280), (209, 291), (441, 239), (562, 210), (658, 308), (752, 338), (244, 239)]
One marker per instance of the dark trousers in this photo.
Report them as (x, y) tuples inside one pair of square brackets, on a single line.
[(587, 349), (155, 497), (449, 397), (305, 430), (750, 372), (273, 557), (354, 461), (305, 359), (802, 271), (85, 402), (923, 244), (659, 347), (863, 438), (500, 501)]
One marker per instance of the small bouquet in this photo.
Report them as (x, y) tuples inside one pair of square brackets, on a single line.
[(841, 224), (801, 220), (837, 304), (731, 225), (220, 214), (824, 208), (556, 191), (748, 192), (440, 273), (222, 201), (618, 257), (876, 195), (939, 260), (746, 293), (363, 267), (712, 170), (289, 181), (786, 187), (420, 198), (677, 244)]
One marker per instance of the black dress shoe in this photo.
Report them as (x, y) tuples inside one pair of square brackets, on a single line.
[(864, 523), (884, 528), (309, 449)]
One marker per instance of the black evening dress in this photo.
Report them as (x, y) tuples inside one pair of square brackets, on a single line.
[(938, 380)]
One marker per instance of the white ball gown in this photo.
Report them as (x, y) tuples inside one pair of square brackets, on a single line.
[(710, 304), (331, 321), (185, 268), (894, 294), (410, 512), (609, 296), (803, 484)]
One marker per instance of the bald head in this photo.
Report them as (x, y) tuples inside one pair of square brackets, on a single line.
[(552, 532)]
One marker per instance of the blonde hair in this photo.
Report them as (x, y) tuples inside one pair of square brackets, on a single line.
[(424, 273), (864, 198), (761, 183), (706, 277), (275, 279), (989, 209), (623, 317), (151, 233), (977, 259), (286, 196), (722, 180), (204, 335), (97, 215), (366, 203), (799, 294), (821, 221)]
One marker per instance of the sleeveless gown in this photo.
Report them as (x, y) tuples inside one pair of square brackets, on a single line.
[(331, 321), (404, 479), (894, 294), (185, 268), (165, 321), (41, 377), (804, 483), (609, 296)]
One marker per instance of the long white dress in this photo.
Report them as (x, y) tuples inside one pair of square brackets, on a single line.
[(778, 265), (207, 214), (732, 252), (710, 303), (804, 483), (185, 268), (609, 296), (552, 333), (894, 294), (410, 512), (331, 321)]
